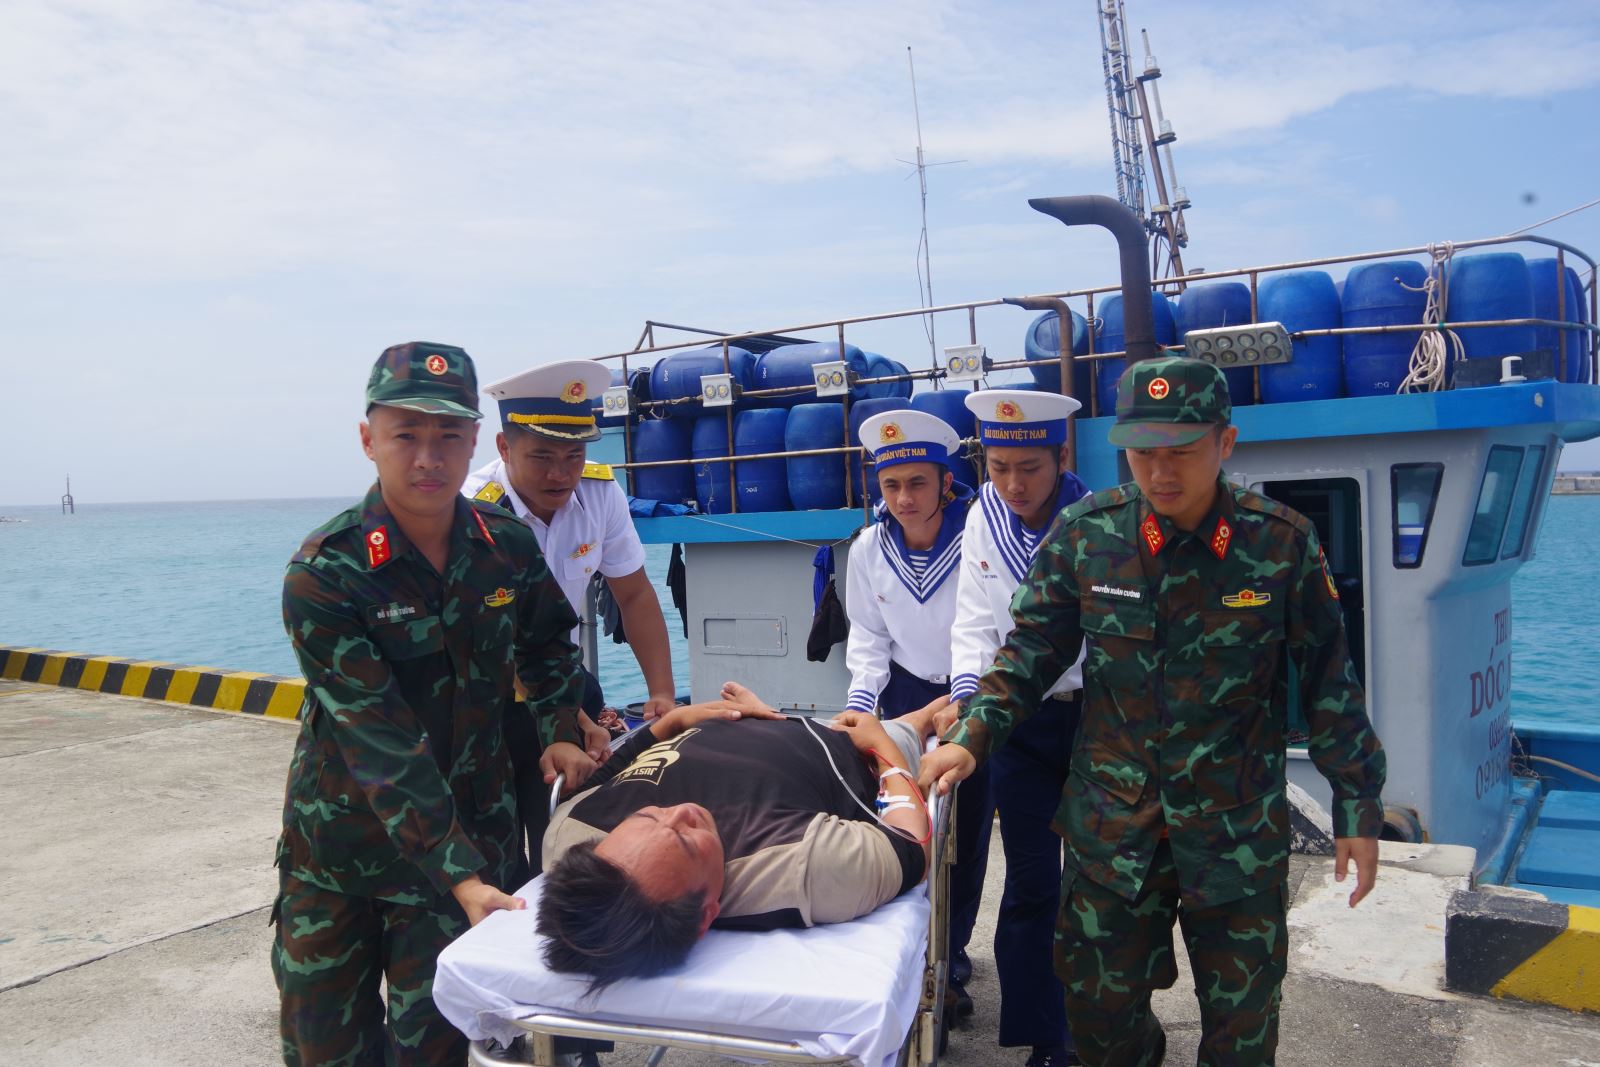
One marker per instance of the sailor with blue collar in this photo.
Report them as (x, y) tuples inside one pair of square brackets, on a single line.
[(1023, 436), (900, 596), (576, 509)]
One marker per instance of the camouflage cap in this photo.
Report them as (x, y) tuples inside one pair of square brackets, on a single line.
[(1162, 403), (421, 376)]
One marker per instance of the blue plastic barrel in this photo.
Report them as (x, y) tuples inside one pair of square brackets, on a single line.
[(1583, 340), (659, 439), (1542, 273), (763, 484), (1219, 304), (815, 481), (1495, 285), (1111, 337), (713, 491), (1381, 294), (1303, 300), (879, 367), (950, 405), (859, 413), (1043, 345), (677, 375), (794, 365)]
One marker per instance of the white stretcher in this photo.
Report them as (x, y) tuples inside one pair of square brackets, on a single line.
[(868, 992)]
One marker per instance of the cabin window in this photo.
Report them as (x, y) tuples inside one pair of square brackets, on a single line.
[(1413, 492), (1494, 506), (1531, 479)]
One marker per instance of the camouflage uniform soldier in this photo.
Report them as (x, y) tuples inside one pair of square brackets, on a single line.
[(409, 614), (1190, 593)]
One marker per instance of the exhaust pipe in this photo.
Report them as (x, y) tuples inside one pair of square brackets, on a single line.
[(1138, 323)]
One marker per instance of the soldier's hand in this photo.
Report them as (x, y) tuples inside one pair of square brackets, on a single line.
[(596, 738), (478, 898), (1364, 850), (657, 706), (944, 767), (566, 758)]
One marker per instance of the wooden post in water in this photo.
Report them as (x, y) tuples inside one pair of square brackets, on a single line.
[(67, 507)]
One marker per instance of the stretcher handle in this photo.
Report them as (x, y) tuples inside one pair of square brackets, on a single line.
[(555, 792)]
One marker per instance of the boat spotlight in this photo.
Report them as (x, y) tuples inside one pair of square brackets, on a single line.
[(1250, 345), (833, 379), (963, 363), (717, 390), (616, 402)]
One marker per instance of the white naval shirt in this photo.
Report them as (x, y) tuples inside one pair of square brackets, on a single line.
[(591, 532), (996, 553), (900, 607)]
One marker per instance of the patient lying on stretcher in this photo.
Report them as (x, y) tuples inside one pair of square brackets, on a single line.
[(730, 814)]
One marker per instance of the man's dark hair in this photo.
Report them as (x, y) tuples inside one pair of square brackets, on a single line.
[(600, 923)]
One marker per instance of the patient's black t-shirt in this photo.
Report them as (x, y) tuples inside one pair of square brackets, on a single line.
[(800, 849)]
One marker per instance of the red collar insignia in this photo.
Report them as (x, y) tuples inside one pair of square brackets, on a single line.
[(483, 528), (1220, 539), (378, 547), (1150, 530)]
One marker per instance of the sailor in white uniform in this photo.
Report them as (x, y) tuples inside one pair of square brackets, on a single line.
[(1023, 436), (578, 512), (900, 597)]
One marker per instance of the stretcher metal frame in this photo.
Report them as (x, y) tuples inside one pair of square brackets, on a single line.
[(924, 1038)]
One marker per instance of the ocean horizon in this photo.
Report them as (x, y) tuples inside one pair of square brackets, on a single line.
[(199, 583)]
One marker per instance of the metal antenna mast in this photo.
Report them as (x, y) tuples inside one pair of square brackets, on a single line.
[(924, 262), (1130, 100)]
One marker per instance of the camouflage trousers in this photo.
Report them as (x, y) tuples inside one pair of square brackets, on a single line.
[(1111, 954), (330, 951)]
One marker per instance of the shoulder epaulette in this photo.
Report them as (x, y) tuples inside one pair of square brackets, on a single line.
[(311, 547), (491, 493), (1264, 505), (598, 471), (495, 511), (1105, 498)]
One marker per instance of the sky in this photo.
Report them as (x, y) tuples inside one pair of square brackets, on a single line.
[(216, 215)]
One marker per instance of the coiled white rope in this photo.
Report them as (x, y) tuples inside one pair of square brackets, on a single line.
[(1435, 349)]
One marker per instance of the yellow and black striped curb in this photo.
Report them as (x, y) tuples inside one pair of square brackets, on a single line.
[(1526, 949), (270, 695)]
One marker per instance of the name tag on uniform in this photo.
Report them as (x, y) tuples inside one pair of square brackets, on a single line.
[(399, 611), (1116, 592)]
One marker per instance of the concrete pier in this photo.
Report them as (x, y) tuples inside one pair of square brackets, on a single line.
[(136, 875)]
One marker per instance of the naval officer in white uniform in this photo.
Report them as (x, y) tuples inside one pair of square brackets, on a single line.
[(1024, 437), (900, 597), (578, 512)]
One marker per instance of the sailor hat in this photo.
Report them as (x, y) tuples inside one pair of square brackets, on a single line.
[(556, 400), (1018, 418), (908, 436)]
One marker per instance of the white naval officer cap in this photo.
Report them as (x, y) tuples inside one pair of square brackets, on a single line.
[(908, 436), (1020, 418), (556, 400)]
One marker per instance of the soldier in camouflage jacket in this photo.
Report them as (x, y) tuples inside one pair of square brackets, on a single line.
[(1189, 593), (409, 614)]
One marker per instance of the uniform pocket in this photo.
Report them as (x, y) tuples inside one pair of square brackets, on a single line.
[(410, 639), (1120, 647), (1241, 650)]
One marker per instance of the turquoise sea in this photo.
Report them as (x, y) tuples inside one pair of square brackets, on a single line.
[(198, 583)]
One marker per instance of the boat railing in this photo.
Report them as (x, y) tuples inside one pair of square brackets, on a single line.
[(1588, 334)]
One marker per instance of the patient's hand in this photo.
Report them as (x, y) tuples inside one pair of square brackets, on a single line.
[(865, 731), (682, 718)]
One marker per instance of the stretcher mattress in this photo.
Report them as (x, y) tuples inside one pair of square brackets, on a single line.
[(846, 989)]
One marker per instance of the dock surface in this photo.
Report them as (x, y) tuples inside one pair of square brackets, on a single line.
[(137, 875)]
